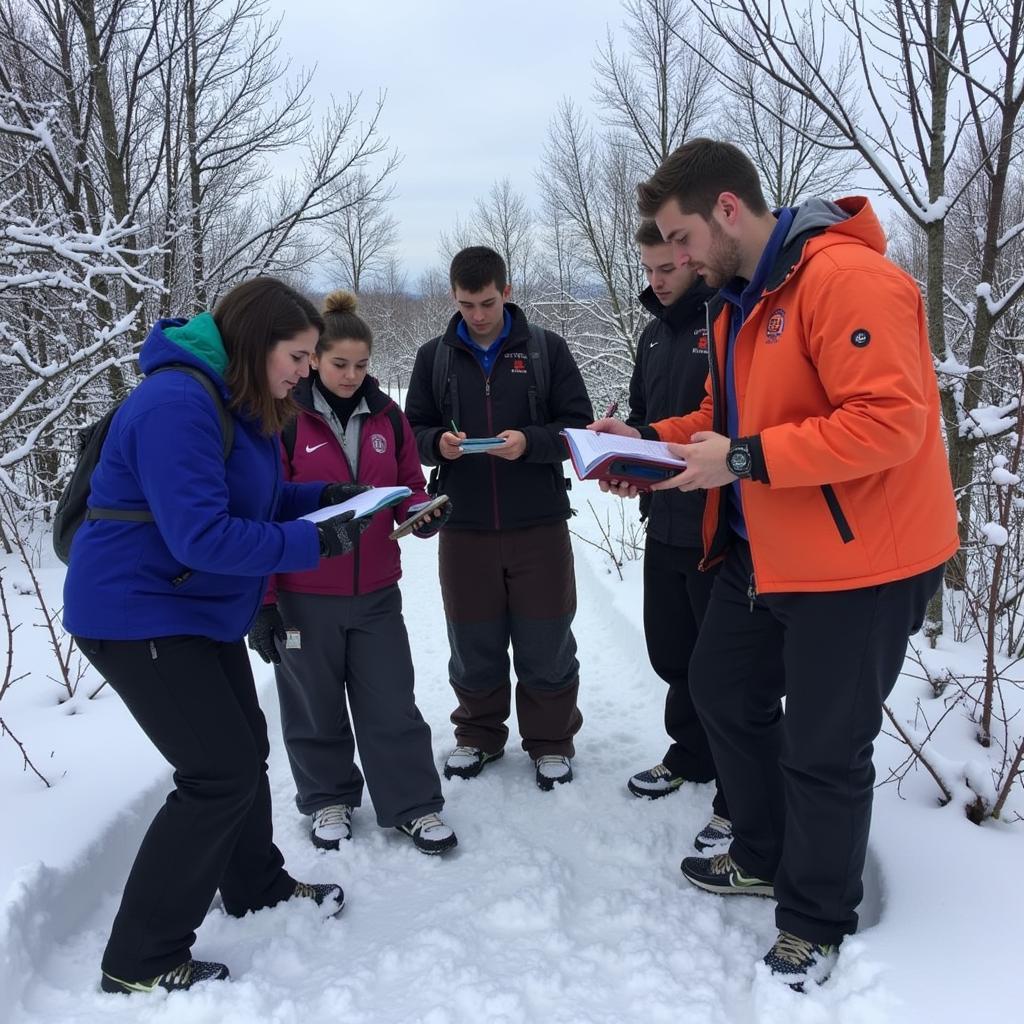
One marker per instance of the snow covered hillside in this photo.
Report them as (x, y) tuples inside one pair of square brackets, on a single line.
[(565, 906)]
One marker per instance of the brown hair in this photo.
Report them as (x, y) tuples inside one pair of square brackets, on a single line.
[(342, 322), (696, 174), (477, 267), (648, 234), (252, 318)]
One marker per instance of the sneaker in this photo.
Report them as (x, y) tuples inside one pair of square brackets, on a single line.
[(795, 961), (716, 835), (655, 782), (429, 834), (552, 768), (331, 825), (190, 973), (328, 897), (468, 762), (722, 875)]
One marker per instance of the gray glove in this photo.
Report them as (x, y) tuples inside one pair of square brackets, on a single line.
[(335, 494), (338, 535), (437, 519)]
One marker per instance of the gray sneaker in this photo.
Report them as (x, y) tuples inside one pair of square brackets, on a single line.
[(468, 762), (429, 834), (330, 825), (722, 875), (795, 961), (715, 836), (654, 782)]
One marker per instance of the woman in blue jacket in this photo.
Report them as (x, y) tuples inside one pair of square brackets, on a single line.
[(160, 608)]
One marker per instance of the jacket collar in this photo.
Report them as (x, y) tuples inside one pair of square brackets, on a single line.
[(375, 399), (518, 334), (683, 310)]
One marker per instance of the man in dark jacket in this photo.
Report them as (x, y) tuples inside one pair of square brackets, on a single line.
[(505, 558), (668, 379)]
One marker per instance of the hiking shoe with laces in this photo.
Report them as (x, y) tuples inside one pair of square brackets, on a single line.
[(721, 874), (429, 834), (654, 782), (190, 973), (468, 762), (326, 895), (795, 961), (552, 768), (331, 825), (715, 836)]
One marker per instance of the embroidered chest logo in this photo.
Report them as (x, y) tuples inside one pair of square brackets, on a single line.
[(700, 341), (776, 325), (379, 442), (518, 361)]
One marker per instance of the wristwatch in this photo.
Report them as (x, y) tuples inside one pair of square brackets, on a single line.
[(738, 460)]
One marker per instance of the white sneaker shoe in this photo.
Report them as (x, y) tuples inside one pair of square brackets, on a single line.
[(429, 834), (468, 762), (330, 825), (551, 769)]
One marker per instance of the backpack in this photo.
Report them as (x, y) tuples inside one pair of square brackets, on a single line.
[(73, 507), (291, 430)]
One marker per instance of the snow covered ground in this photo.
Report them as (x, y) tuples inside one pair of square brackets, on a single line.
[(565, 906)]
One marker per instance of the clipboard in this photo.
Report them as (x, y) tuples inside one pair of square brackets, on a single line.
[(405, 528)]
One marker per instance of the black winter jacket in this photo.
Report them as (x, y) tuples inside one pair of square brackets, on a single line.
[(489, 493), (668, 380)]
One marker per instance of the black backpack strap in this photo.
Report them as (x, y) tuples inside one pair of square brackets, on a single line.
[(539, 363), (445, 382), (396, 428)]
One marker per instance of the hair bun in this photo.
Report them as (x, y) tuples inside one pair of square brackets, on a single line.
[(340, 301)]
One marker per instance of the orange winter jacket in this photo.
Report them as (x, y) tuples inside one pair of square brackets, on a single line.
[(834, 377)]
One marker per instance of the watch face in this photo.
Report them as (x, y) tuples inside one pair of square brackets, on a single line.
[(738, 461)]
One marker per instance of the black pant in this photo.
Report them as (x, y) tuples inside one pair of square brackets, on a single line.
[(515, 587), (676, 596), (196, 700), (800, 785)]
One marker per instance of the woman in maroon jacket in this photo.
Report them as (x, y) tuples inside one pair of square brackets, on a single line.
[(337, 630)]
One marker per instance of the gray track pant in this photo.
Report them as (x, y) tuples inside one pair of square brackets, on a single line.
[(354, 646)]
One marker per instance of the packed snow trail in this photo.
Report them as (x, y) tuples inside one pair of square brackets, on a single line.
[(565, 906)]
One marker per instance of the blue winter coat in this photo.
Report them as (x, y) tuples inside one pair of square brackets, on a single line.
[(221, 527)]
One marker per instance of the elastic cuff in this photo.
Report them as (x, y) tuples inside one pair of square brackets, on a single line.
[(758, 470), (648, 433)]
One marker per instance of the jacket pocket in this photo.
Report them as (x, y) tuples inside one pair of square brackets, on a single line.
[(838, 516)]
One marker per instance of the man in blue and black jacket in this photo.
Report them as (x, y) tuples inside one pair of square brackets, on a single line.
[(505, 558)]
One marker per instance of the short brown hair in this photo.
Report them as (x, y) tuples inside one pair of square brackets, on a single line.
[(477, 267), (696, 174), (648, 233), (252, 318), (341, 321)]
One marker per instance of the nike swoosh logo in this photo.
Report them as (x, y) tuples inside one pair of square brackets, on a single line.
[(314, 448)]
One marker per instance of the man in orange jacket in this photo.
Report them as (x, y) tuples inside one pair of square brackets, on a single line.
[(831, 508)]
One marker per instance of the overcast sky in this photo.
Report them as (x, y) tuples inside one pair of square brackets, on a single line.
[(471, 88)]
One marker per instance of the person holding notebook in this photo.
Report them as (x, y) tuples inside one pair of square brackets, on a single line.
[(506, 564), (337, 631)]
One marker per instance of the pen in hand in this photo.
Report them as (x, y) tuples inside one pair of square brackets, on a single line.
[(611, 410)]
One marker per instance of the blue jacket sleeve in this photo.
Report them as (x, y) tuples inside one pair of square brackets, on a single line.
[(298, 500), (181, 471)]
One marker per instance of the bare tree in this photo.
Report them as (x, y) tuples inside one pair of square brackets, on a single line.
[(363, 233)]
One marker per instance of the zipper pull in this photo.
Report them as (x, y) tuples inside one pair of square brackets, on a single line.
[(487, 388), (152, 649), (752, 592)]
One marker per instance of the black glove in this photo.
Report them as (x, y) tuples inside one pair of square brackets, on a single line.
[(268, 625), (335, 494), (338, 535), (437, 519)]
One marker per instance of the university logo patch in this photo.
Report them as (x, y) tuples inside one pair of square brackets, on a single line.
[(776, 325), (700, 346), (379, 442)]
